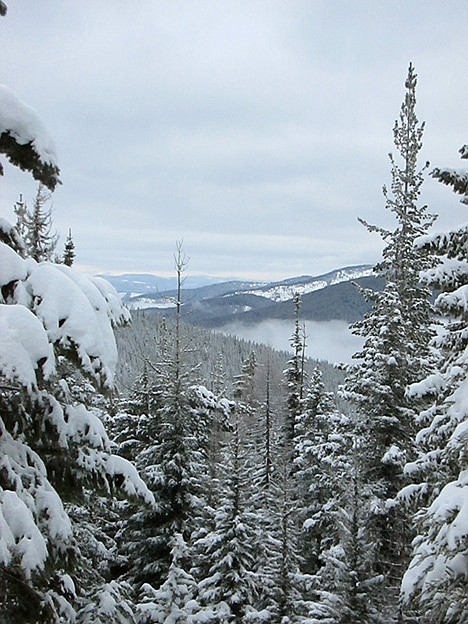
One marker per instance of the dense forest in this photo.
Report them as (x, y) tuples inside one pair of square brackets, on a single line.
[(168, 474)]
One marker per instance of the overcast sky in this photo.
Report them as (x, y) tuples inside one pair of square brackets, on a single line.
[(256, 131)]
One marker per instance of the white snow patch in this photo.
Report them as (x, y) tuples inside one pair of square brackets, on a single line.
[(24, 125), (23, 345)]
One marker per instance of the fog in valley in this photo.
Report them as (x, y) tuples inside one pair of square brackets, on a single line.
[(326, 340)]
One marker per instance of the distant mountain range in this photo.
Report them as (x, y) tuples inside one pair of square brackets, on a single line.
[(325, 297), (134, 284)]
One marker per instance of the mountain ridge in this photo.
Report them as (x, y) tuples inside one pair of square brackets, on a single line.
[(330, 296)]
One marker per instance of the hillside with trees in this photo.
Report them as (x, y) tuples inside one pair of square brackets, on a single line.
[(156, 472)]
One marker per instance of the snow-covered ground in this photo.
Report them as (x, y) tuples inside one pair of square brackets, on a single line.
[(285, 292)]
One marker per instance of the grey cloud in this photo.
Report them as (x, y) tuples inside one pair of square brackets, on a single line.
[(257, 131)]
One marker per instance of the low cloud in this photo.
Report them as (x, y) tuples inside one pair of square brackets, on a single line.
[(327, 340)]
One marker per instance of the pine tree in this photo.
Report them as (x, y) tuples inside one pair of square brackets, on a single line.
[(175, 601), (435, 581), (295, 373), (230, 588), (319, 447), (69, 250), (52, 446), (39, 238), (396, 348)]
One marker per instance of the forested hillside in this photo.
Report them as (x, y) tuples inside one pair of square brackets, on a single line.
[(155, 472), (211, 354)]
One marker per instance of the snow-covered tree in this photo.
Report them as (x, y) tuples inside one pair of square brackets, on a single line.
[(346, 588), (230, 589), (320, 447), (69, 250), (25, 141), (21, 211), (37, 224), (110, 604), (176, 443), (294, 374), (52, 446), (284, 583), (174, 602), (396, 347), (436, 578)]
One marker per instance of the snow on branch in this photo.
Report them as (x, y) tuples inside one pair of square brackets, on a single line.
[(24, 347), (31, 512), (75, 315), (25, 141)]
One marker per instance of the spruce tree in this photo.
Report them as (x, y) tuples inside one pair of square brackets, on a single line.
[(396, 336), (295, 373), (435, 581), (176, 441), (230, 589), (69, 250), (319, 446), (21, 211), (175, 601), (53, 446), (40, 240)]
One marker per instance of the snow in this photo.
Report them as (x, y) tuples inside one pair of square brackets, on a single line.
[(74, 315), (393, 455), (133, 484), (116, 311), (49, 505), (432, 385), (28, 543), (443, 555), (23, 346), (145, 303), (52, 307), (448, 270), (24, 125), (285, 292), (12, 266)]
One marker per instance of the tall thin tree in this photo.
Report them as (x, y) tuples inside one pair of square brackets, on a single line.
[(396, 336)]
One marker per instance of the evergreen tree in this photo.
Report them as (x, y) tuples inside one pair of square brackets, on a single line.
[(295, 373), (395, 351), (230, 589), (319, 447), (69, 250), (347, 588), (175, 443), (21, 211), (18, 140), (52, 446), (218, 377), (38, 236), (174, 602), (111, 604), (287, 594), (435, 581)]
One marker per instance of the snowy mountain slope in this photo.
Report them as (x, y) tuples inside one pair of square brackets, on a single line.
[(274, 291), (286, 289), (167, 298), (341, 301), (134, 284)]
